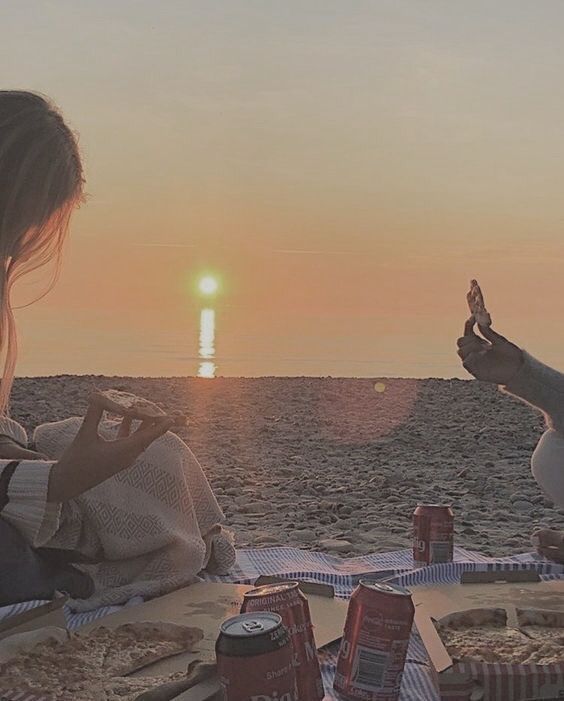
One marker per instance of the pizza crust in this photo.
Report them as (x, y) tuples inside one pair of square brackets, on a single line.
[(477, 306)]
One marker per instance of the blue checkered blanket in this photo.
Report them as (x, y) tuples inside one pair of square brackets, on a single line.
[(343, 575)]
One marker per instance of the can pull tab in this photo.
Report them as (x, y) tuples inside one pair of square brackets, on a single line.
[(252, 626)]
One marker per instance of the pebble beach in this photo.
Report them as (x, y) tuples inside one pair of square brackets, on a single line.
[(338, 465)]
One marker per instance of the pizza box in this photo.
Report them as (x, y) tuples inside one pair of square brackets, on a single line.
[(206, 605), (50, 613), (512, 591)]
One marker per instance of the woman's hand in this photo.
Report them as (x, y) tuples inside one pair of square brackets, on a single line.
[(494, 360), (90, 459)]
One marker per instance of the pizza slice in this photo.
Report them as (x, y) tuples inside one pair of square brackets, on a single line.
[(477, 306), (137, 645), (131, 688), (121, 403), (162, 688), (66, 670), (90, 666)]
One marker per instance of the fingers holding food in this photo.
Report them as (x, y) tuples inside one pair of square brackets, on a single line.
[(132, 407)]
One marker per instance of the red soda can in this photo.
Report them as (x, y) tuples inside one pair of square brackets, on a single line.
[(289, 602), (374, 645), (255, 659), (433, 534)]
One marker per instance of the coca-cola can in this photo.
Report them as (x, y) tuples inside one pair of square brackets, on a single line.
[(433, 534), (289, 602), (374, 645), (255, 659)]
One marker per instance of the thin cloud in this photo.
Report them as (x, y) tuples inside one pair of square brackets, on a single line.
[(317, 251), (166, 245), (283, 251)]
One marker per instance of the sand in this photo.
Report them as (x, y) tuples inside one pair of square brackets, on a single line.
[(339, 464)]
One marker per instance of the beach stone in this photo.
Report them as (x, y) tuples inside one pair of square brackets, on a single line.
[(517, 496), (265, 538), (257, 507), (305, 536), (232, 491), (523, 505), (338, 546), (285, 471), (469, 531)]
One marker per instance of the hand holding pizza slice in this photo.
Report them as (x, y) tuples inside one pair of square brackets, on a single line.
[(491, 358)]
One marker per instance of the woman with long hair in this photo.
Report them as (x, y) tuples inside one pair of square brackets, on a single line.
[(100, 509)]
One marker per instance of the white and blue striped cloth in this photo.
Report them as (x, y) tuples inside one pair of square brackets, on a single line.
[(343, 575)]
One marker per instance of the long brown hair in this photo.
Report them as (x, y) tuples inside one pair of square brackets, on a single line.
[(41, 182)]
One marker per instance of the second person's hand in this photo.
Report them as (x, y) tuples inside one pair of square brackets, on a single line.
[(490, 359)]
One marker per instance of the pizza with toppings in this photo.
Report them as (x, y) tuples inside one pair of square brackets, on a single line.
[(95, 666), (483, 635)]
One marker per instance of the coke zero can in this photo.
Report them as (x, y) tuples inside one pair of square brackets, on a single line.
[(433, 534), (255, 660), (374, 644), (288, 601)]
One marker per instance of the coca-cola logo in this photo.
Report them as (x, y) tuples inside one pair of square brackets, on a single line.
[(373, 620)]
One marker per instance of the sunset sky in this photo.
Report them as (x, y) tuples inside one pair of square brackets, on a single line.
[(344, 168)]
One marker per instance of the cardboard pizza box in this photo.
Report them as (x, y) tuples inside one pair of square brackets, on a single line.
[(206, 605), (459, 681), (50, 613)]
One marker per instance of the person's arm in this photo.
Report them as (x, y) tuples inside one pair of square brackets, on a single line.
[(542, 387), (32, 491), (495, 359), (24, 487)]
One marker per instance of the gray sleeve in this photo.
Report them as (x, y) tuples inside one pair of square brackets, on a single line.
[(542, 387), (28, 509)]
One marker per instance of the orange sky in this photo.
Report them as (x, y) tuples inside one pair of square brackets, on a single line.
[(344, 167)]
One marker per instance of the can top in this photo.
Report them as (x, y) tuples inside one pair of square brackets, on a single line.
[(267, 589), (435, 506), (384, 588), (249, 625)]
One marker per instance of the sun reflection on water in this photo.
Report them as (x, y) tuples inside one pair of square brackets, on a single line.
[(207, 344)]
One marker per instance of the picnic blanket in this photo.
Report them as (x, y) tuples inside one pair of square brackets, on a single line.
[(343, 575)]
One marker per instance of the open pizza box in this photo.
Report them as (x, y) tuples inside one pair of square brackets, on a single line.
[(522, 596), (49, 614), (206, 605)]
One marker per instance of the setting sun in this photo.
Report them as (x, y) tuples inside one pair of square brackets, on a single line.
[(208, 285)]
